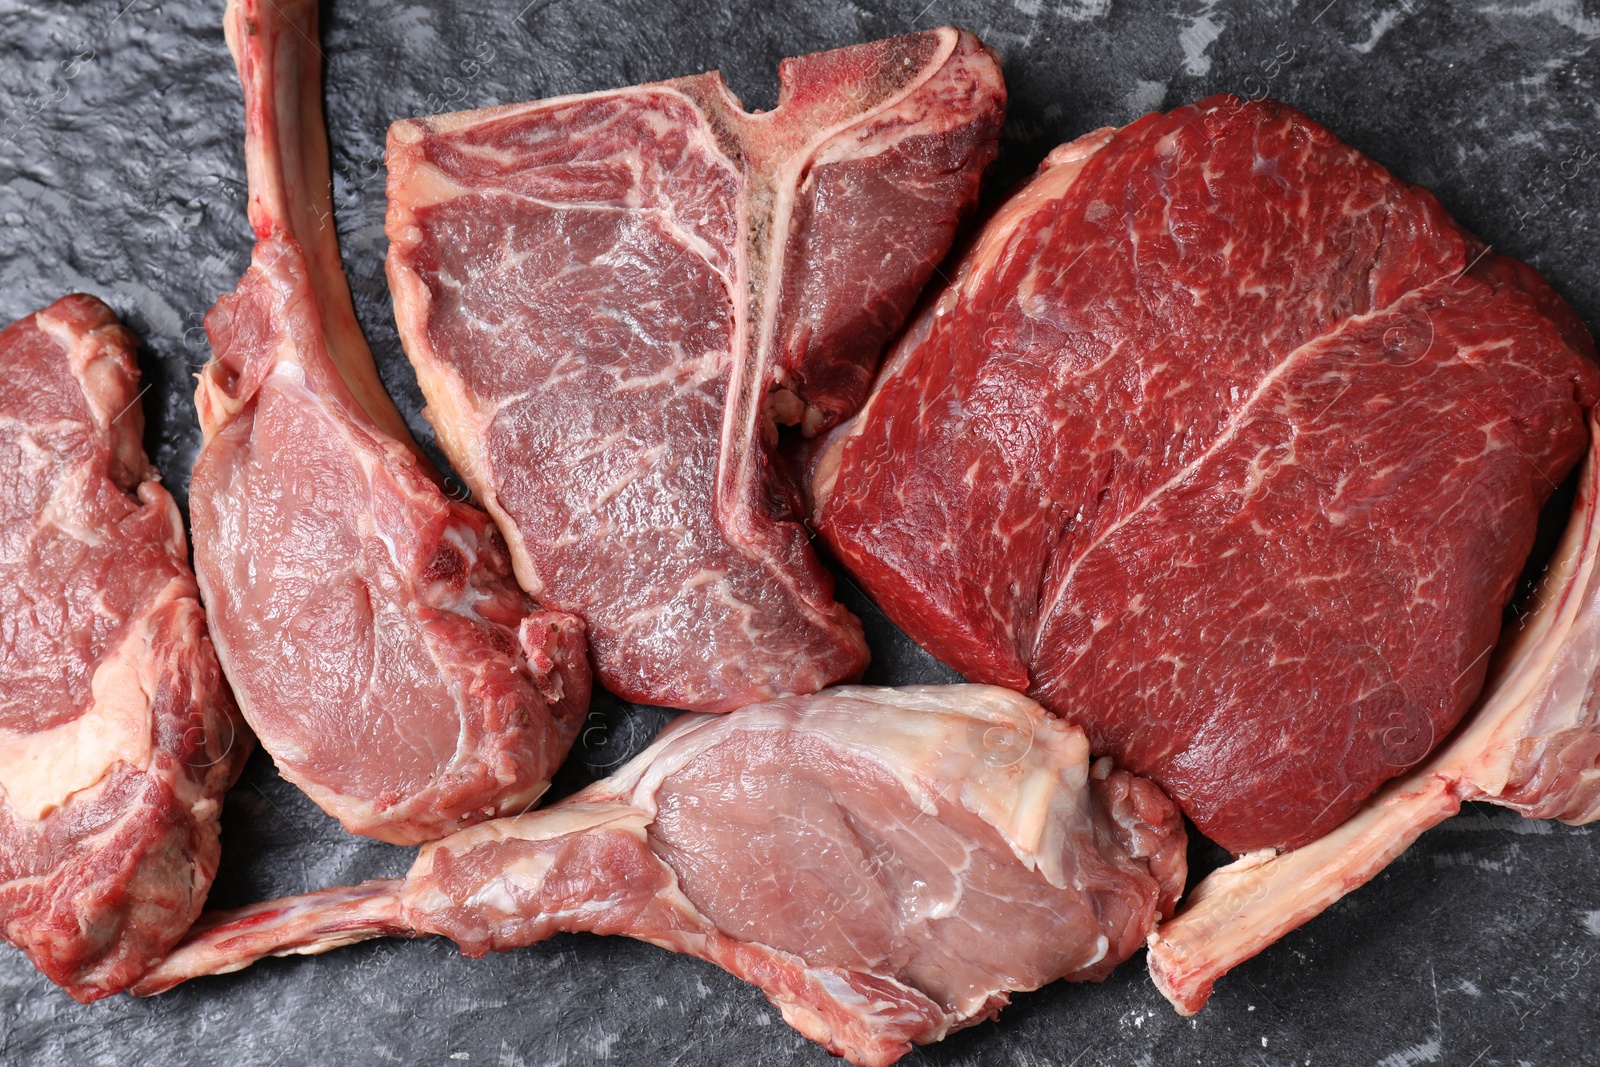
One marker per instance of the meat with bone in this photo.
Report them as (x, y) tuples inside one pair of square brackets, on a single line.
[(371, 626), (1532, 744), (886, 865), (611, 302), (1227, 444), (118, 736)]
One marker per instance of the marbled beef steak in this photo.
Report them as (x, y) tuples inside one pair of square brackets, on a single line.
[(611, 302), (118, 736), (1230, 446)]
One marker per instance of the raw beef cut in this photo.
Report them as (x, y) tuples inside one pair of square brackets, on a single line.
[(1227, 444), (372, 628), (118, 736), (886, 865), (1532, 744), (612, 301)]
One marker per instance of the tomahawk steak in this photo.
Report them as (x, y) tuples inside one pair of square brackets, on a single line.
[(886, 865), (118, 736), (613, 300), (1227, 444), (372, 627)]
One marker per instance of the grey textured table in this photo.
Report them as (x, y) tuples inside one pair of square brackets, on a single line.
[(121, 174)]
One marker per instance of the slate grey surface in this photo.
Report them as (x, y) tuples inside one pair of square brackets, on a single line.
[(121, 174)]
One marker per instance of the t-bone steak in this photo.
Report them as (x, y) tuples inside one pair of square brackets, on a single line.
[(118, 736), (372, 627), (612, 301), (886, 865), (1228, 445)]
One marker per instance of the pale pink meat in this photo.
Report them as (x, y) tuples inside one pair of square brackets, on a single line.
[(371, 626), (886, 865), (613, 300), (118, 736)]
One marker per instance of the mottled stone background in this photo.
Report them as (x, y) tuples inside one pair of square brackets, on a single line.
[(121, 174)]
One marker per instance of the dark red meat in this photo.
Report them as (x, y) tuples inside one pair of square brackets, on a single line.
[(1227, 444)]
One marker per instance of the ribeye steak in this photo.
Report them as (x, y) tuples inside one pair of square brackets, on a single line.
[(612, 301), (371, 626), (1228, 445), (118, 736), (886, 865)]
